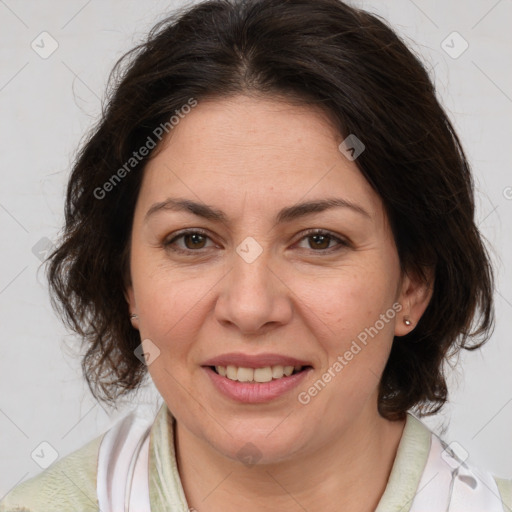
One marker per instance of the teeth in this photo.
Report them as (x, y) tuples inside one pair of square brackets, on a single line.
[(288, 370), (245, 374), (265, 374), (261, 374), (277, 372), (231, 372)]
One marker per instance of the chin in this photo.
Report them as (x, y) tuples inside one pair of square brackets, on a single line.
[(265, 445)]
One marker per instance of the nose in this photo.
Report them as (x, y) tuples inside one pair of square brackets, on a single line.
[(253, 296)]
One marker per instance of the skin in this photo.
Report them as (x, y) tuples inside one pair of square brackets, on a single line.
[(250, 157)]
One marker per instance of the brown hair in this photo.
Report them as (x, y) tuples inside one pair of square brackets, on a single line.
[(325, 53)]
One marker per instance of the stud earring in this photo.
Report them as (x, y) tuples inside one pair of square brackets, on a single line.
[(407, 321), (133, 315)]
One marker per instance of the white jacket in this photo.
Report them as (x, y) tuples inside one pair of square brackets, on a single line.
[(132, 468)]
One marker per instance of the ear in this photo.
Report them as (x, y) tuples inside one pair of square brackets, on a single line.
[(414, 296), (129, 295)]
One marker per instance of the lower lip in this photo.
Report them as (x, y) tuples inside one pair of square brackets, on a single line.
[(255, 392)]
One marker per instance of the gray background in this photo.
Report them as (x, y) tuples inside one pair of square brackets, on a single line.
[(47, 105)]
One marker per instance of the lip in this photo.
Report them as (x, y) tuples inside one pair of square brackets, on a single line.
[(255, 392), (254, 361)]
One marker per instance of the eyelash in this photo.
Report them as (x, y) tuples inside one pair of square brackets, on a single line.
[(342, 244)]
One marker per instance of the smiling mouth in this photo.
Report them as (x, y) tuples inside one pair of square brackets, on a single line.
[(257, 375)]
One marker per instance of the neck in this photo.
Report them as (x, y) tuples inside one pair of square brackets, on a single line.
[(345, 472)]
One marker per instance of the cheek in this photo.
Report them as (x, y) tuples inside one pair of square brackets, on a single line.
[(171, 312), (354, 319), (351, 300), (171, 306)]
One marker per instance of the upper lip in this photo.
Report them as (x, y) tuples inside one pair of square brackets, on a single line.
[(254, 361)]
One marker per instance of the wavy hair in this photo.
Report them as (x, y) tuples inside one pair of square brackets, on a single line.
[(316, 52)]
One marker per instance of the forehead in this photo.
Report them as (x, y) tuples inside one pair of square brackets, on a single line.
[(258, 149)]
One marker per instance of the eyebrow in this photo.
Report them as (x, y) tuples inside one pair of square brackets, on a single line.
[(287, 214)]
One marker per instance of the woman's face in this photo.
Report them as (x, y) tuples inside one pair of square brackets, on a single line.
[(251, 287)]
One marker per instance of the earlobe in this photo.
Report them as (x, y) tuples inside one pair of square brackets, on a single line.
[(415, 295)]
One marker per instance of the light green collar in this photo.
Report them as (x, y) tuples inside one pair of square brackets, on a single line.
[(166, 491), (410, 461)]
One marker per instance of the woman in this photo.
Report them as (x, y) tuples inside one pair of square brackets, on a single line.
[(275, 220)]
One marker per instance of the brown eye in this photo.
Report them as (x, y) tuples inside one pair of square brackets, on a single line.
[(194, 240), (188, 241), (320, 241), (323, 241)]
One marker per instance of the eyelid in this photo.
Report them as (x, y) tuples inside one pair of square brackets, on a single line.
[(183, 232), (342, 242)]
